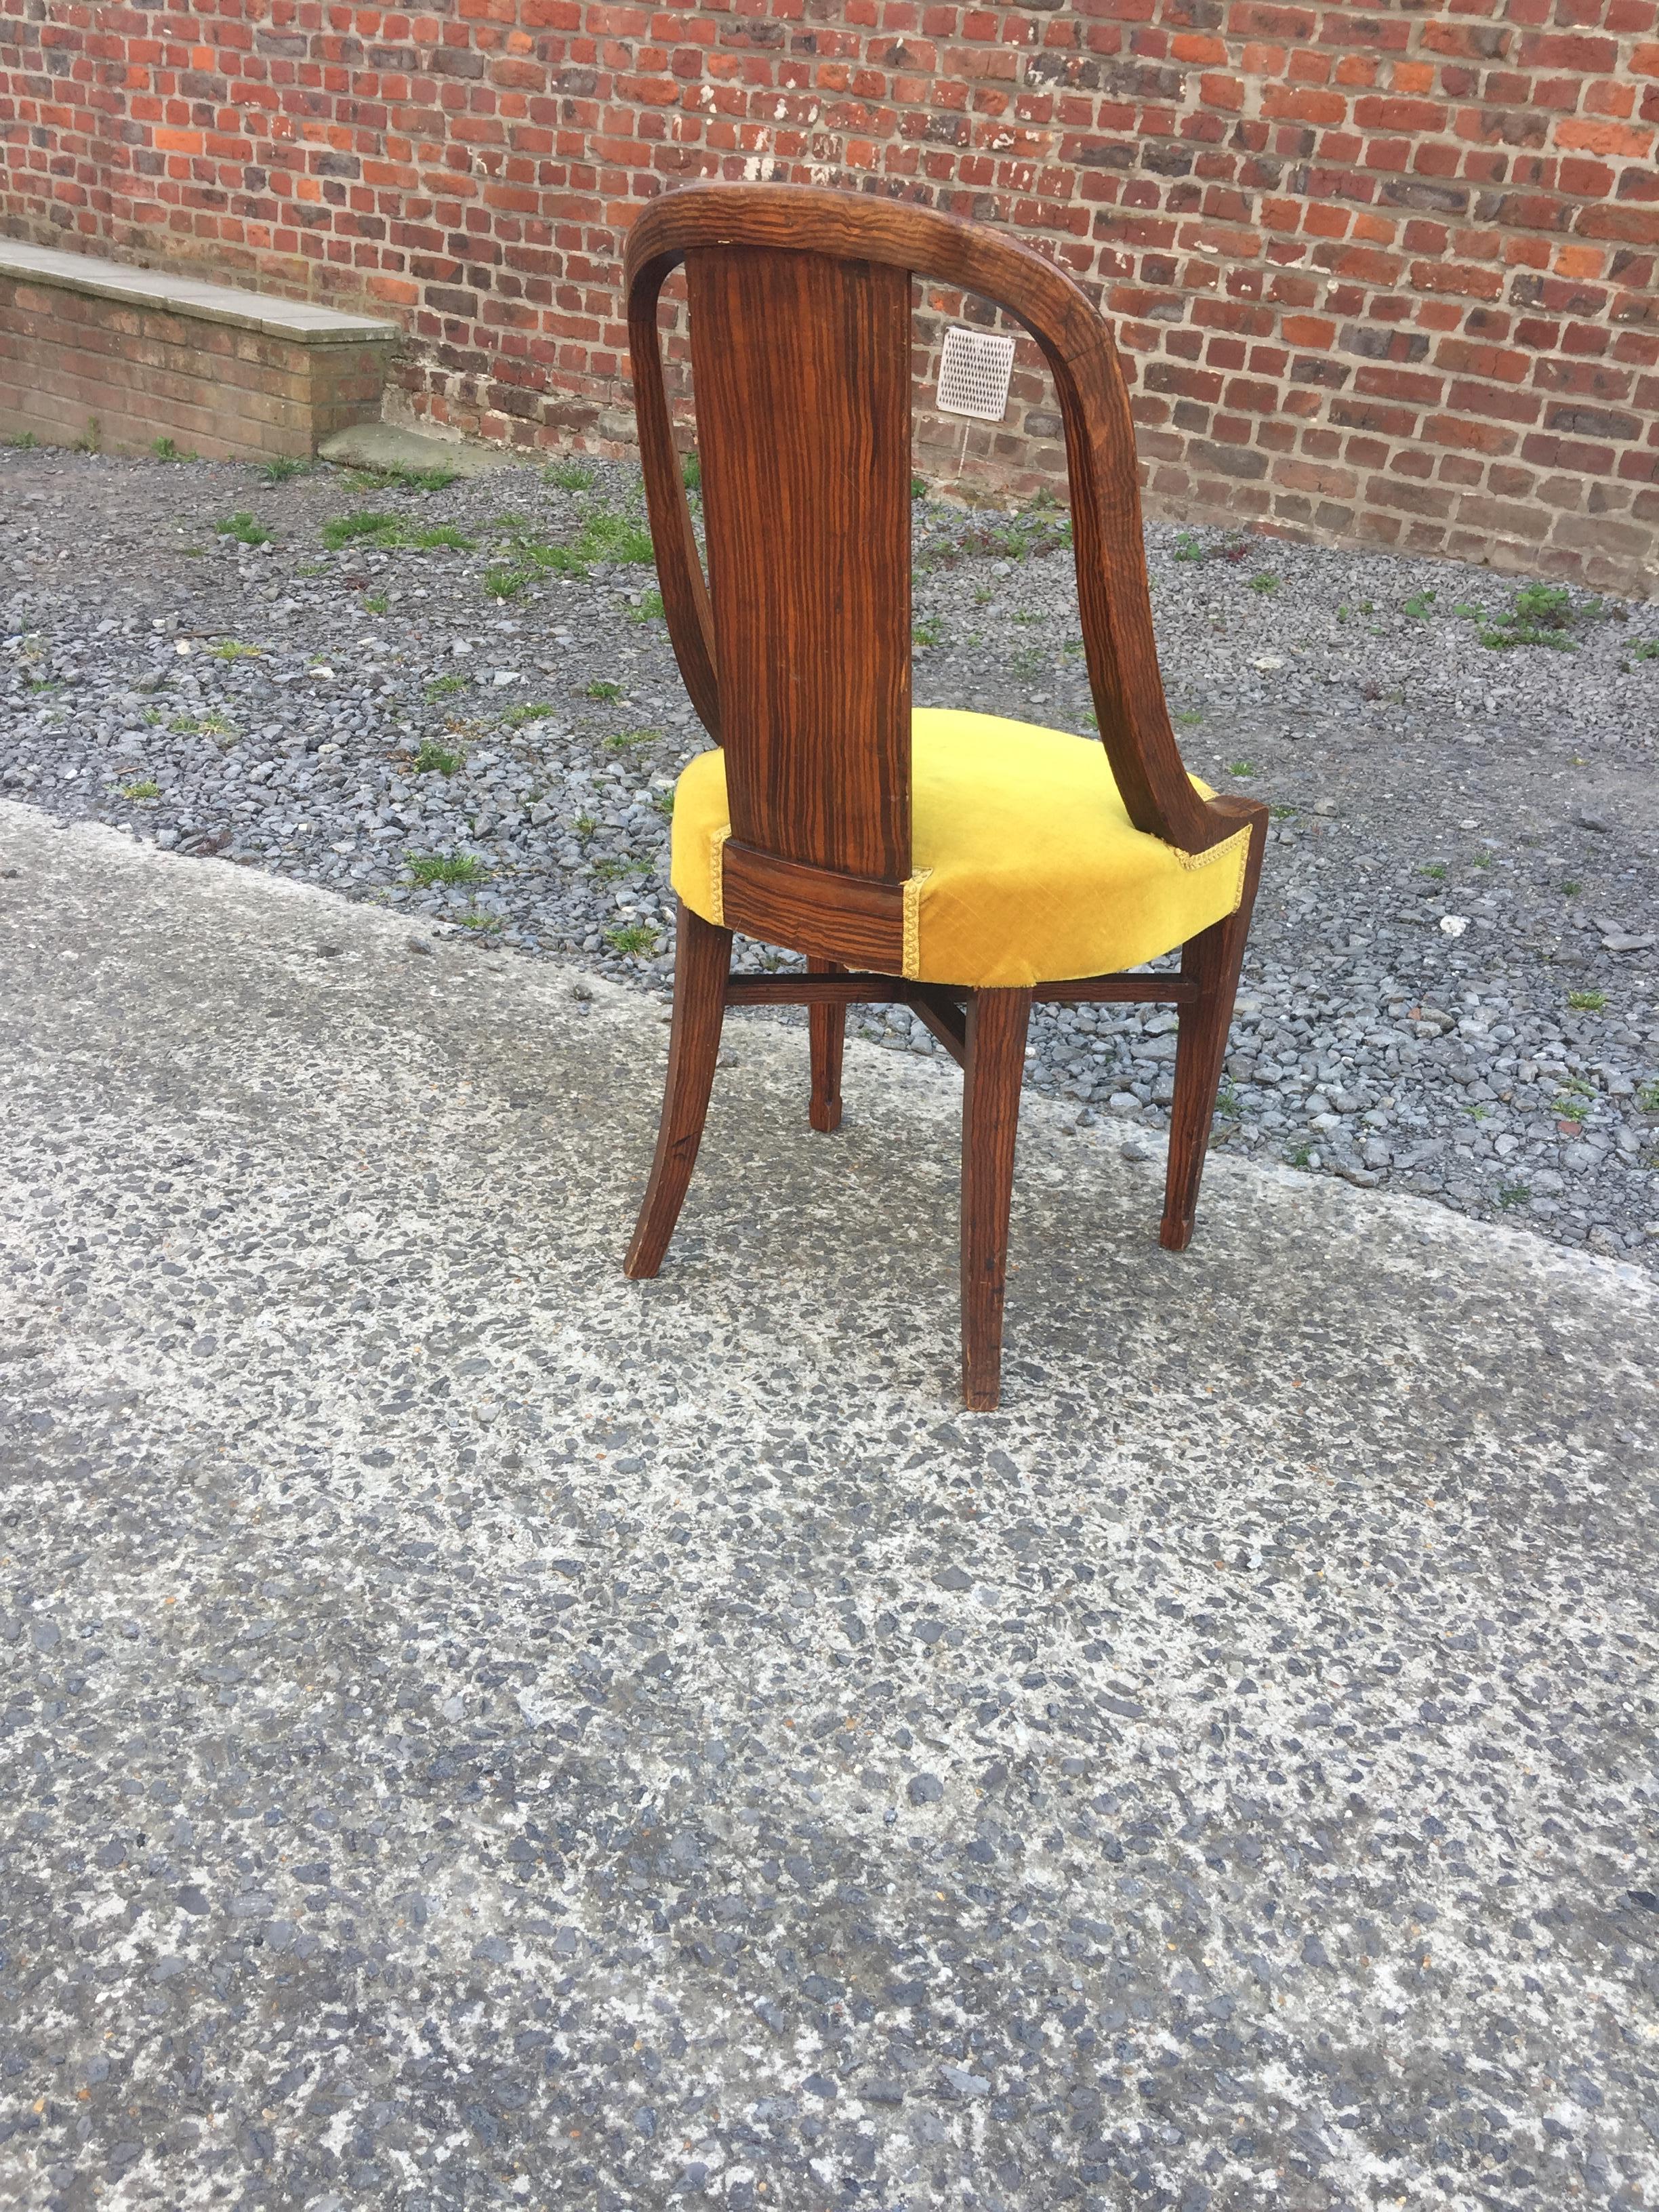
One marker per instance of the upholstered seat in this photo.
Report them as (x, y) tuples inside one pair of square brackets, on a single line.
[(1026, 868)]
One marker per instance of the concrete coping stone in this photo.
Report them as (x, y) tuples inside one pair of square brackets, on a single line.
[(166, 289)]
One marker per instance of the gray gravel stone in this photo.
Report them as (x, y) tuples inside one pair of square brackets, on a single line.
[(1456, 826)]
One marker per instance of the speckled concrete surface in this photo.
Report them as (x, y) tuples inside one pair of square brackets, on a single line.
[(481, 1733)]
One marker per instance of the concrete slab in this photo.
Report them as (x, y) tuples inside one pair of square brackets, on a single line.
[(481, 1732), (175, 293), (389, 445)]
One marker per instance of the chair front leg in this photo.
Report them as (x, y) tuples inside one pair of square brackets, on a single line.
[(992, 1068), (827, 1027), (702, 961)]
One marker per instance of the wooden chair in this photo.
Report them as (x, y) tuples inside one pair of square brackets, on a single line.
[(796, 653)]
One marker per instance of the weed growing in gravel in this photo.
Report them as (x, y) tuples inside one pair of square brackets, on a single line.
[(1647, 651), (144, 789), (1541, 615), (210, 724), (532, 710), (1241, 768), (604, 536), (25, 442), (1421, 605), (612, 869), (1267, 583), (485, 921), (569, 475), (377, 606), (662, 801), (1589, 1002), (1647, 1097), (1483, 859), (1299, 1156), (602, 688), (691, 472), (1465, 611), (446, 868), (91, 440), (1514, 1194), (1435, 868), (1229, 1106), (391, 531), (165, 450), (930, 630), (1281, 813), (584, 825), (433, 759), (634, 937), (283, 467), (608, 536), (918, 487), (1188, 548), (445, 687), (243, 527), (650, 608), (624, 739), (1190, 717), (1569, 889), (228, 649)]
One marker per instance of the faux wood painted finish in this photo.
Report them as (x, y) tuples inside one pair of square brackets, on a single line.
[(804, 438), (800, 665)]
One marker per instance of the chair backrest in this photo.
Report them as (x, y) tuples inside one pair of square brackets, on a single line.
[(796, 651)]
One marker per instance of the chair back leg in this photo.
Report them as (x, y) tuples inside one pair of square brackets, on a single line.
[(994, 1065), (1212, 962), (828, 1028), (702, 961)]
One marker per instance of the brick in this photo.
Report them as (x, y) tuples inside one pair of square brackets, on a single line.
[(1412, 247)]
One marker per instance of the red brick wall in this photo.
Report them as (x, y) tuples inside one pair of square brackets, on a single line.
[(1378, 273)]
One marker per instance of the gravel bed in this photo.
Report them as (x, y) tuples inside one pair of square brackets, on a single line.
[(1452, 985)]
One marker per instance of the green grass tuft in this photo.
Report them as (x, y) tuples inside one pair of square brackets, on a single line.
[(637, 938), (244, 529), (446, 868), (433, 759)]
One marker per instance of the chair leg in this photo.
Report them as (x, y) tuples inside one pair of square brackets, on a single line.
[(828, 1028), (1212, 962), (994, 1066), (702, 960)]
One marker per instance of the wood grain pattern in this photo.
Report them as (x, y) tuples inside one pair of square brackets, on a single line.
[(943, 1014), (804, 437), (1113, 600), (993, 1071), (816, 910), (826, 1023), (703, 959), (1211, 961)]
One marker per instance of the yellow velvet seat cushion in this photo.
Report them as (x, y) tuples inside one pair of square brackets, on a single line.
[(1027, 867)]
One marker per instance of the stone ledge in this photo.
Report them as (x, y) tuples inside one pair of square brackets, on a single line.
[(167, 291)]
